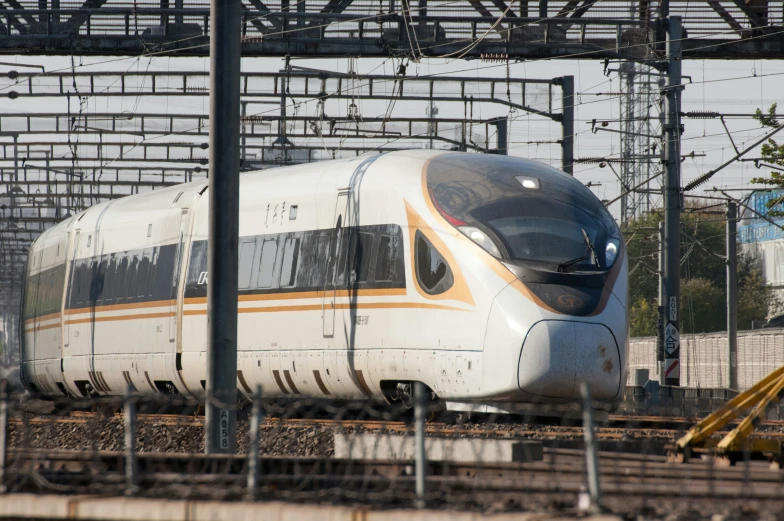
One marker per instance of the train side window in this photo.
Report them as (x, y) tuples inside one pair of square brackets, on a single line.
[(100, 282), (120, 287), (355, 257), (130, 278), (288, 272), (43, 293), (336, 254), (144, 273), (48, 293), (346, 253), (269, 251), (386, 260), (93, 289), (310, 272), (84, 282), (108, 287), (74, 285), (164, 273), (432, 271), (363, 256), (152, 275), (245, 264)]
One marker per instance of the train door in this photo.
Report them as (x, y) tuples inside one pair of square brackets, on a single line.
[(73, 248), (36, 293), (330, 291), (178, 267)]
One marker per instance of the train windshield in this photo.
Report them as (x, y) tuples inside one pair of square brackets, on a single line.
[(546, 231), (524, 211)]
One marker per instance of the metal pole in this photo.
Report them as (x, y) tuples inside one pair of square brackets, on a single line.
[(591, 460), (244, 147), (3, 432), (253, 450), (420, 404), (130, 443), (672, 202), (661, 309), (220, 414), (16, 175), (732, 292), (567, 125)]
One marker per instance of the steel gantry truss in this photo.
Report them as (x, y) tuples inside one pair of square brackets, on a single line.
[(437, 28), (639, 122), (54, 164)]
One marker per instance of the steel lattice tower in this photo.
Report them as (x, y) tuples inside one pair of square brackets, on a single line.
[(639, 117)]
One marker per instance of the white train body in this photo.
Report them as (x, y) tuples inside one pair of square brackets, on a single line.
[(116, 295)]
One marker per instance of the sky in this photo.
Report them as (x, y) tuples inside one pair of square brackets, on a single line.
[(738, 87)]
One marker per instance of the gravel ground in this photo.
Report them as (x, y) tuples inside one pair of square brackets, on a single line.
[(280, 439), (155, 436)]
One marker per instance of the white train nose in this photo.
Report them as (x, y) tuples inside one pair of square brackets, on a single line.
[(557, 355)]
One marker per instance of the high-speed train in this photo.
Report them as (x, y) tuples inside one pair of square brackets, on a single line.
[(491, 279)]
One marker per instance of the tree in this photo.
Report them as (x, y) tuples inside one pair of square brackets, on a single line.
[(773, 153), (703, 274)]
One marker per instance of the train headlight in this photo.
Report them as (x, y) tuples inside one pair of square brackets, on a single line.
[(481, 238), (611, 252)]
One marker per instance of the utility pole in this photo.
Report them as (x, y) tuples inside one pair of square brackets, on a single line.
[(732, 292), (672, 203), (220, 415), (567, 125)]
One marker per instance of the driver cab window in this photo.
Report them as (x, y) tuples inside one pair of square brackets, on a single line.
[(432, 271)]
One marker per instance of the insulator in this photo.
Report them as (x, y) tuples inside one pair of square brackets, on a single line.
[(494, 57), (702, 115)]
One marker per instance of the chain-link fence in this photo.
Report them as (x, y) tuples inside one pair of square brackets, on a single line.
[(379, 455)]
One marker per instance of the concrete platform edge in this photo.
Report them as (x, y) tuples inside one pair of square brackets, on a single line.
[(55, 507)]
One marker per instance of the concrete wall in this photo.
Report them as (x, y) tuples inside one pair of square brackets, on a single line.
[(704, 357)]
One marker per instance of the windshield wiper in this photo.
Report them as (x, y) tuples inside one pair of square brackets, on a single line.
[(591, 254), (567, 264)]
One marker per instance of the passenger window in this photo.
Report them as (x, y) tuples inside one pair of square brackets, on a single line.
[(432, 270), (108, 287), (355, 259), (336, 254), (247, 249), (120, 287), (363, 257), (151, 276), (387, 258), (164, 272), (93, 289), (76, 284), (130, 278), (87, 281), (311, 270), (267, 264), (141, 283), (288, 270), (100, 282)]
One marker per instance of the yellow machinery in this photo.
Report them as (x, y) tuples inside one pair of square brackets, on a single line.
[(734, 445)]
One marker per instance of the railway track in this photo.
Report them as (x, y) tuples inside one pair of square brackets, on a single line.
[(619, 427), (561, 472)]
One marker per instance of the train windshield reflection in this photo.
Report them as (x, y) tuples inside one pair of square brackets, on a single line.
[(544, 230)]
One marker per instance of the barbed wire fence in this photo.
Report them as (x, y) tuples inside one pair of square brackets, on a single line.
[(373, 454)]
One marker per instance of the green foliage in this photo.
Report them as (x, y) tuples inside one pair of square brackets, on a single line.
[(703, 275), (643, 319), (771, 153)]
